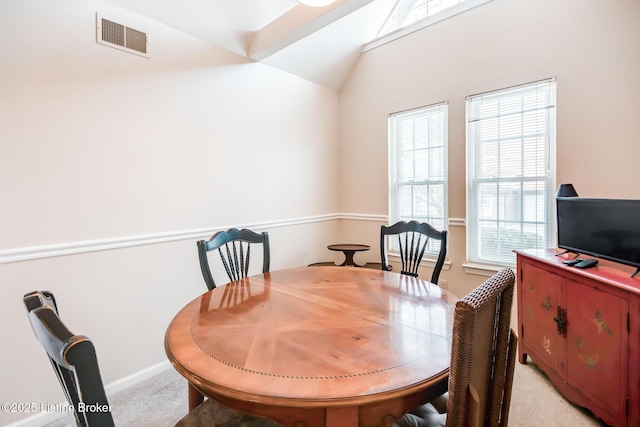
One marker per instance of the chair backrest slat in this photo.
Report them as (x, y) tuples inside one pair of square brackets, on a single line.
[(224, 258), (236, 253), (235, 261), (242, 261)]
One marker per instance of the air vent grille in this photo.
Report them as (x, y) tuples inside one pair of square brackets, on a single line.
[(112, 32), (121, 37), (136, 40)]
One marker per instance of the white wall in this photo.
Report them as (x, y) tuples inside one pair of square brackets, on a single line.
[(98, 146), (591, 46)]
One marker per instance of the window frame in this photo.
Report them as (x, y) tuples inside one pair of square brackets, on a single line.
[(383, 38), (441, 223), (474, 250)]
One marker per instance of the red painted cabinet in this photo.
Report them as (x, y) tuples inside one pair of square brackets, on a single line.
[(581, 328)]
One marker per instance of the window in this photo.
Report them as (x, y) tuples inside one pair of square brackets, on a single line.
[(511, 172), (408, 16), (418, 167)]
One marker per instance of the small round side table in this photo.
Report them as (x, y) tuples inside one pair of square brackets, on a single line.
[(349, 250)]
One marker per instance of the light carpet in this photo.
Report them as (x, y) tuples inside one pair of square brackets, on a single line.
[(162, 401)]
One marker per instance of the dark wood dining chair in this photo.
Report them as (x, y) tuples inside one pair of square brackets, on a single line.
[(483, 354), (234, 247), (73, 358), (413, 239), (75, 363)]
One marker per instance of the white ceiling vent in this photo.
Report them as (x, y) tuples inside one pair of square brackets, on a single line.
[(121, 37)]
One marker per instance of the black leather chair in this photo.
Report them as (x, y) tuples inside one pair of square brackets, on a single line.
[(236, 253), (73, 358), (413, 238)]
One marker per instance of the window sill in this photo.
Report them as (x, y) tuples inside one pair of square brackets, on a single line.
[(483, 269)]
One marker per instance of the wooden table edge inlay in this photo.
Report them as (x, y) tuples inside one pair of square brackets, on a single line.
[(227, 393)]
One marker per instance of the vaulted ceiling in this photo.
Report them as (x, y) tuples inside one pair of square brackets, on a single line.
[(318, 44)]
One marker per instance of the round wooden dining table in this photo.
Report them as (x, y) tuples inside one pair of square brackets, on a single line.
[(317, 346)]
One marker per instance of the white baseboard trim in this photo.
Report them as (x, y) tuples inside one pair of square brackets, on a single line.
[(60, 249), (42, 418), (137, 377)]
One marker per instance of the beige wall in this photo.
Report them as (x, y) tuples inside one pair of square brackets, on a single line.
[(99, 146), (590, 46), (100, 143)]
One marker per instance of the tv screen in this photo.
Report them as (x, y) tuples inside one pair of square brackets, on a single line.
[(603, 228)]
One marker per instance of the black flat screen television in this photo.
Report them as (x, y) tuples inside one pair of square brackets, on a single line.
[(603, 228)]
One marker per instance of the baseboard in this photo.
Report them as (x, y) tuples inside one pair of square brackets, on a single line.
[(137, 377), (42, 418)]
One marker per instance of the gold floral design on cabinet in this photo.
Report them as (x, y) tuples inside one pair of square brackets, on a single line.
[(599, 321), (591, 361), (546, 344)]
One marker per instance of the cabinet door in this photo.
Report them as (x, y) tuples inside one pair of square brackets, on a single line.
[(541, 292), (598, 346)]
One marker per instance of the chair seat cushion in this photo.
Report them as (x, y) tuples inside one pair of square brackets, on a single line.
[(423, 416)]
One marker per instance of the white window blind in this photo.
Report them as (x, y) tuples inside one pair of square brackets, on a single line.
[(418, 166), (511, 171)]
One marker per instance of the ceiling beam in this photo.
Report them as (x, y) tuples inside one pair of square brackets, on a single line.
[(298, 23)]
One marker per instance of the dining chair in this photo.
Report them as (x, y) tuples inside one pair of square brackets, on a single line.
[(75, 363), (413, 239), (483, 354), (236, 254), (73, 358)]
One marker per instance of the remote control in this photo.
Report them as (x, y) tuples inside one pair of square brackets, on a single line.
[(572, 261), (587, 263)]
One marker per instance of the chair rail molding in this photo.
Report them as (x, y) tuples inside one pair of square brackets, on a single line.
[(72, 248), (364, 217), (457, 222)]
